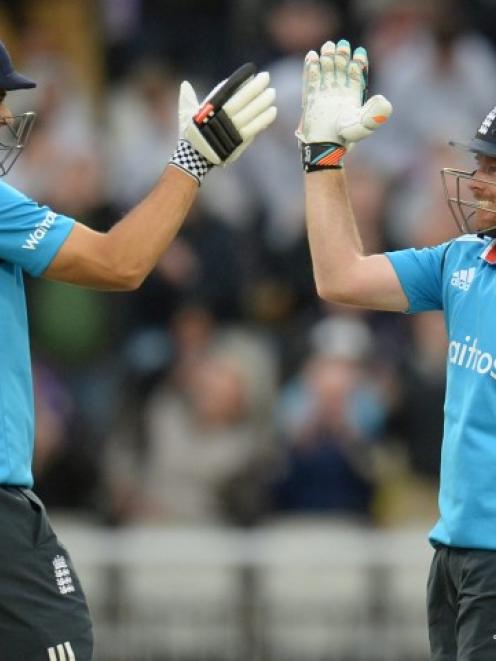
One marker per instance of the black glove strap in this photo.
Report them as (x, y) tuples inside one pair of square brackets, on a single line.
[(213, 122), (322, 156), (220, 133)]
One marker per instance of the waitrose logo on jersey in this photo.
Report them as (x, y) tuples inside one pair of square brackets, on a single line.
[(34, 238), (468, 355)]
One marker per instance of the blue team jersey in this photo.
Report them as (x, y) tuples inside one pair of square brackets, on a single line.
[(459, 277), (30, 236)]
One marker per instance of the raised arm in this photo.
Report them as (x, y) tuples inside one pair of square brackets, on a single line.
[(213, 133), (122, 258), (333, 118), (343, 274)]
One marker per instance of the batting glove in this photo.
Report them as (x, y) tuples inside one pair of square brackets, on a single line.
[(217, 131), (335, 111)]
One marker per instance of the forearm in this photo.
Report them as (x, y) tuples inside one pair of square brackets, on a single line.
[(123, 257), (333, 235), (138, 240), (335, 117)]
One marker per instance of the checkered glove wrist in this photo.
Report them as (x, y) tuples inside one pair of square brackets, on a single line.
[(188, 159)]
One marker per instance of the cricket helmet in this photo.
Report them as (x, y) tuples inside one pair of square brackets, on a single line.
[(461, 201), (9, 78), (14, 130)]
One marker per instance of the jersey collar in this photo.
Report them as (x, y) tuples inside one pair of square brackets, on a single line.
[(489, 253)]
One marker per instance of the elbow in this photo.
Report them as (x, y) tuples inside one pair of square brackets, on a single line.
[(129, 281), (329, 292), (110, 268), (335, 292), (127, 285), (323, 291), (126, 278)]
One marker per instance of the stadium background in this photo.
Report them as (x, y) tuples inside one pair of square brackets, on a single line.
[(240, 471)]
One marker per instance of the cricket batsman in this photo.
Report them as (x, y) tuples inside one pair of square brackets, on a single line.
[(457, 277), (43, 611)]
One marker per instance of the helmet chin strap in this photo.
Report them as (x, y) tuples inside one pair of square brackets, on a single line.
[(491, 233)]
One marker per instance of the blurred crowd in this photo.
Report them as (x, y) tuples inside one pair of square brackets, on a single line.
[(224, 392)]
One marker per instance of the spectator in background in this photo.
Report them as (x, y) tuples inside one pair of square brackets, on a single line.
[(141, 127), (204, 265), (418, 420), (422, 395), (64, 145), (292, 28), (409, 465), (330, 416), (207, 437), (417, 212), (152, 357), (268, 210), (369, 200), (121, 23), (428, 46), (425, 384), (65, 463)]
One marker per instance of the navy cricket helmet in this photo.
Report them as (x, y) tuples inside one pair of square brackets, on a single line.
[(484, 141), (10, 79), (465, 207), (14, 130)]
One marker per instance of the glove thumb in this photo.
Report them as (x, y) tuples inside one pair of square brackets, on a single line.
[(188, 105), (376, 111), (373, 114)]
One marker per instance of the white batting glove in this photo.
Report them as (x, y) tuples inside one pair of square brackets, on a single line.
[(217, 131), (335, 114)]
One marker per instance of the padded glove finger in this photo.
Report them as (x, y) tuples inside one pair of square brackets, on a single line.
[(310, 57), (360, 57), (311, 85), (258, 124), (327, 69), (254, 108), (341, 61), (247, 93)]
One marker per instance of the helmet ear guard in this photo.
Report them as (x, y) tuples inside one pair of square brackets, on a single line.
[(14, 133)]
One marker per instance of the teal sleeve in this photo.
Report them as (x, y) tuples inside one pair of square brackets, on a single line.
[(30, 234), (420, 273)]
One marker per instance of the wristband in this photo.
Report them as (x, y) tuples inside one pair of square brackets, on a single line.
[(322, 156), (188, 159)]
